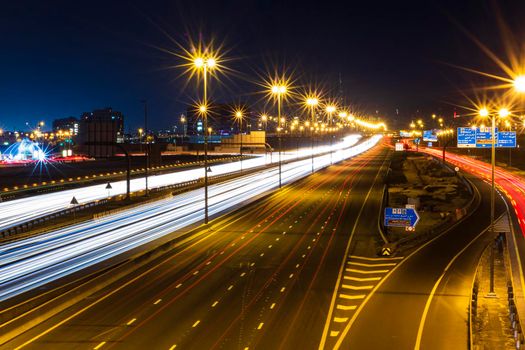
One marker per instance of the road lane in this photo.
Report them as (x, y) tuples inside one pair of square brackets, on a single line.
[(230, 292)]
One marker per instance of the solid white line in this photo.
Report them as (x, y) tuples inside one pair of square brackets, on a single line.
[(431, 296)]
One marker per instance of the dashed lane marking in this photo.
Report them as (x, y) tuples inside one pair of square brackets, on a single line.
[(99, 345)]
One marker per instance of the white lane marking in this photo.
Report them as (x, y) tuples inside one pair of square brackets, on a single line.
[(158, 301), (366, 271), (243, 274), (346, 286), (178, 285), (99, 345), (361, 279), (282, 289), (230, 287), (371, 265), (375, 259), (351, 297), (215, 303), (346, 307)]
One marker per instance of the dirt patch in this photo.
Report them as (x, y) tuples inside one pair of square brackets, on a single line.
[(435, 190)]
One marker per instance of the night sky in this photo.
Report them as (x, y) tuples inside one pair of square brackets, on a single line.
[(61, 58)]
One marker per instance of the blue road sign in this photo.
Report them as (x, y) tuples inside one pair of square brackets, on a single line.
[(401, 217), (466, 137), (507, 139), (430, 135), (482, 138)]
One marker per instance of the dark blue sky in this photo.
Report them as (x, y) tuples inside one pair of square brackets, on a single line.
[(61, 58)]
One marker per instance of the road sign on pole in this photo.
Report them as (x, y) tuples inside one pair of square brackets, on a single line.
[(401, 217)]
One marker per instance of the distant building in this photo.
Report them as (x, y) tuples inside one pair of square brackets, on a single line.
[(98, 131), (69, 124)]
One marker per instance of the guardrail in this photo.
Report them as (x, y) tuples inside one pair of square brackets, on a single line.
[(32, 223)]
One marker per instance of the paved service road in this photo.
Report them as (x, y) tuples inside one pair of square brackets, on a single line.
[(407, 310)]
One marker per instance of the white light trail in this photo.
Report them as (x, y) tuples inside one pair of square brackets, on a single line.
[(29, 263)]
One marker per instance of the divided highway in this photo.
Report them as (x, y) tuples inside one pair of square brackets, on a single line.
[(261, 277)]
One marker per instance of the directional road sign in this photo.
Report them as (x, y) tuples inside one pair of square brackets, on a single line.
[(401, 217), (482, 138)]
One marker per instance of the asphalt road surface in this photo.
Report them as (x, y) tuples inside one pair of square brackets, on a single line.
[(261, 277)]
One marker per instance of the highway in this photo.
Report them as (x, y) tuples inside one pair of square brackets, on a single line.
[(411, 308), (260, 277), (21, 210), (29, 263)]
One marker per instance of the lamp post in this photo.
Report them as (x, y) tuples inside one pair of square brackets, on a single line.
[(205, 64), (239, 116), (279, 90), (502, 114), (312, 103), (330, 109)]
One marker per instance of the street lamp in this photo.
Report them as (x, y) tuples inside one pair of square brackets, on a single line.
[(519, 83), (205, 64), (330, 109), (503, 113), (184, 127), (264, 120), (279, 90), (312, 102), (239, 117)]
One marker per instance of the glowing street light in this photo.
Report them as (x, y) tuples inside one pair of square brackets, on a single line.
[(279, 90), (519, 83), (312, 102), (205, 64), (330, 109), (239, 117), (502, 113)]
